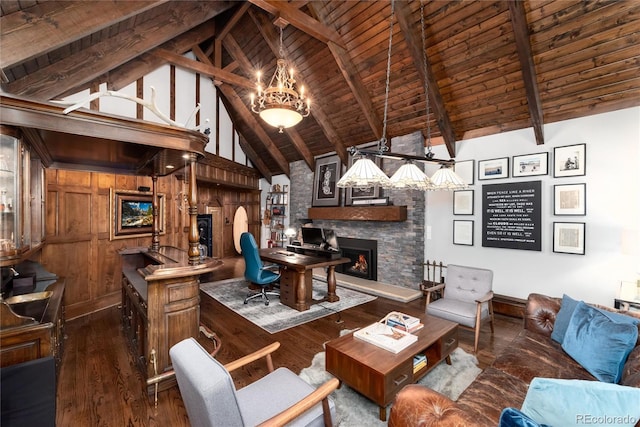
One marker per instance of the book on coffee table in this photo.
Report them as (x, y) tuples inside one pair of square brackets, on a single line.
[(403, 321), (386, 337)]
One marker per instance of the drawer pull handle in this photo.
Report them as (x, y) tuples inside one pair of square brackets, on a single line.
[(450, 342), (400, 379)]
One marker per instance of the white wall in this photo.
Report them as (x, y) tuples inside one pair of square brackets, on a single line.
[(185, 92), (612, 252)]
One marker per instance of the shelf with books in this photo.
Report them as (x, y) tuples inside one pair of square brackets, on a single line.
[(419, 363)]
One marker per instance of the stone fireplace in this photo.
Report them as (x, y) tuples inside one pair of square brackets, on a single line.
[(363, 254), (400, 245)]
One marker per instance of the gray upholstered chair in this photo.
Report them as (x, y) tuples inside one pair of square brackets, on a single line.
[(467, 300), (278, 398)]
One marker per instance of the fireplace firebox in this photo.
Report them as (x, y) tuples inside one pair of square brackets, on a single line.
[(363, 254)]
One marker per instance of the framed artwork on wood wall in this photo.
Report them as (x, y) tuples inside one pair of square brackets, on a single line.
[(325, 181), (131, 214)]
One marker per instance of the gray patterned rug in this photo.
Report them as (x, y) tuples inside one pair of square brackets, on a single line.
[(355, 410), (276, 316)]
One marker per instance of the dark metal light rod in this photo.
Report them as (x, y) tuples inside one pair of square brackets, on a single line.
[(398, 156)]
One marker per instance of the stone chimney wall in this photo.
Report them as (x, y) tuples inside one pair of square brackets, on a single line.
[(400, 244)]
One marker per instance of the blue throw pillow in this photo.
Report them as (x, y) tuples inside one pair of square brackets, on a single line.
[(565, 403), (511, 417), (562, 318), (567, 307), (599, 344)]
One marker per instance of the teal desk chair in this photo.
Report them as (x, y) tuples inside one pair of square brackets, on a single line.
[(255, 271)]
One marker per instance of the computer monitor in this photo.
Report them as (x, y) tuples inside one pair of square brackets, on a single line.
[(312, 236)]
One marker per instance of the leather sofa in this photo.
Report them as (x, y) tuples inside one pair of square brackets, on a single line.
[(505, 383)]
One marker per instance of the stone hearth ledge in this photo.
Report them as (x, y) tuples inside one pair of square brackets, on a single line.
[(393, 292)]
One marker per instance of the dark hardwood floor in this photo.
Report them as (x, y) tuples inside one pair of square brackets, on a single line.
[(100, 386)]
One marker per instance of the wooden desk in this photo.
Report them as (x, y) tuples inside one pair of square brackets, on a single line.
[(296, 277)]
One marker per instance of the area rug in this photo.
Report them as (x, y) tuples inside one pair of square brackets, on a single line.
[(276, 316), (355, 410)]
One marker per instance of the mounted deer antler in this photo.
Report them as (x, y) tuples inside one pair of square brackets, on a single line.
[(150, 105)]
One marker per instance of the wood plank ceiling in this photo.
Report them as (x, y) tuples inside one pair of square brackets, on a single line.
[(493, 66)]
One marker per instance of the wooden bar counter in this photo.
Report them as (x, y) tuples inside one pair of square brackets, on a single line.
[(160, 305)]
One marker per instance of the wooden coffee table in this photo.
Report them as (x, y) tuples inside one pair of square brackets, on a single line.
[(379, 374)]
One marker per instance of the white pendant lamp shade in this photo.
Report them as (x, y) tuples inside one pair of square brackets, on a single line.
[(364, 174), (280, 117), (410, 176), (446, 179)]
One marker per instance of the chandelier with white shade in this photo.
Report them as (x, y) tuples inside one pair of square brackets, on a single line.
[(280, 104), (365, 173)]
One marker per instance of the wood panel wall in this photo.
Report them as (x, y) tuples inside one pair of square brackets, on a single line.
[(78, 245)]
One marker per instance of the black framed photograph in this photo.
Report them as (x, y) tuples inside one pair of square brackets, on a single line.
[(493, 168), (325, 181), (463, 202), (463, 232), (569, 160), (568, 237), (465, 170), (530, 165), (131, 214), (569, 199)]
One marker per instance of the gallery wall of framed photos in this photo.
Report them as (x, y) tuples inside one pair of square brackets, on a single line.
[(590, 234), (510, 212)]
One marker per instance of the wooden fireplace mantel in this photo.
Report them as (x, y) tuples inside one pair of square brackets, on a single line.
[(360, 213)]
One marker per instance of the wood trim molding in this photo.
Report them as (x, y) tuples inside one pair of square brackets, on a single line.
[(360, 213)]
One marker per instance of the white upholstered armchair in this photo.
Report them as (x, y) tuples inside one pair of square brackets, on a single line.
[(467, 300), (280, 397)]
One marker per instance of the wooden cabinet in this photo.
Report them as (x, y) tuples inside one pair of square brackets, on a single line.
[(160, 306), (33, 329), (21, 198)]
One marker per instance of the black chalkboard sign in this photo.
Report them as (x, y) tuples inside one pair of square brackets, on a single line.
[(511, 215)]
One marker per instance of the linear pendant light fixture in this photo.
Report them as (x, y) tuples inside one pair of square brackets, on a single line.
[(365, 173)]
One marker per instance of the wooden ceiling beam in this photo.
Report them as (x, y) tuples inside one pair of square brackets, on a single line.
[(47, 26), (86, 65), (525, 55), (147, 62), (352, 78), (414, 43), (323, 120), (233, 21), (300, 20), (204, 68), (254, 158), (144, 64)]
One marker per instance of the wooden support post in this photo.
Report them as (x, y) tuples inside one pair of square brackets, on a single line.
[(155, 232), (194, 238)]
